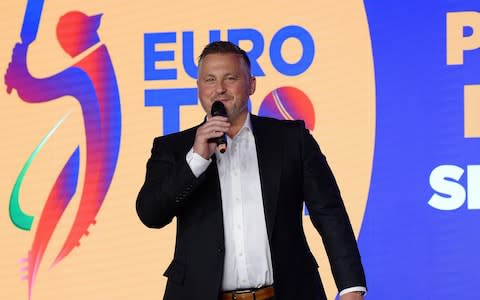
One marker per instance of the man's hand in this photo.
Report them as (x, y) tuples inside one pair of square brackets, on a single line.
[(213, 128), (352, 296), (17, 69)]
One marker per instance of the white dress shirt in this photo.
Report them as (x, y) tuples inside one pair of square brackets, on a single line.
[(248, 262)]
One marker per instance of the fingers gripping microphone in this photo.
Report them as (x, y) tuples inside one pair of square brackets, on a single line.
[(218, 109)]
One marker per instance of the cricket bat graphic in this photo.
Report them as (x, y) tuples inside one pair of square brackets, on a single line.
[(31, 21)]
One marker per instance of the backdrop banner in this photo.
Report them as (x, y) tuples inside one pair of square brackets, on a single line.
[(389, 89)]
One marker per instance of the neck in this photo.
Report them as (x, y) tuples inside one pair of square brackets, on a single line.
[(237, 124)]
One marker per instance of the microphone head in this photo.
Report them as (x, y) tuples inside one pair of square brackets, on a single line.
[(218, 109)]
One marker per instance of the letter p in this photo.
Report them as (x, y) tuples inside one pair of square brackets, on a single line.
[(457, 41)]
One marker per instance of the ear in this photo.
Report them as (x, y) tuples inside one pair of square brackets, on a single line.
[(253, 85)]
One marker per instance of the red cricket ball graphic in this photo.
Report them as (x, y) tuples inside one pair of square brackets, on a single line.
[(288, 103)]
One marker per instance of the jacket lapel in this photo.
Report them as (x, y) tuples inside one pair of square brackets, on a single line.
[(269, 155)]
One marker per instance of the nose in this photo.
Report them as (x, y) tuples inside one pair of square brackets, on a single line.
[(220, 87)]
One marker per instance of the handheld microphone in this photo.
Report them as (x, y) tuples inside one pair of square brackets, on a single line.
[(218, 109)]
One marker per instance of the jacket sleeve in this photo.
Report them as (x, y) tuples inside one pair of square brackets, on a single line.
[(328, 215), (169, 182)]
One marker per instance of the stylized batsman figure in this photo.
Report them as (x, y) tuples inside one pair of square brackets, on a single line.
[(92, 82)]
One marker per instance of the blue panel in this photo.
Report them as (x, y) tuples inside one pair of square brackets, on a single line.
[(410, 249)]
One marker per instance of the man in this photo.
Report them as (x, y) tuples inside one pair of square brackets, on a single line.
[(239, 213)]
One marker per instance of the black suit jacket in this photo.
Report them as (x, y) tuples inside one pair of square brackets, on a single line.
[(292, 171)]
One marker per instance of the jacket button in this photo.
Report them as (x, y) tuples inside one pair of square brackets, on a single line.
[(220, 250)]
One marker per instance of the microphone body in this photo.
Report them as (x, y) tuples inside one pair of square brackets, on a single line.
[(218, 109)]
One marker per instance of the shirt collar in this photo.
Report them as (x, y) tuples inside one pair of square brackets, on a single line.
[(247, 127), (247, 124)]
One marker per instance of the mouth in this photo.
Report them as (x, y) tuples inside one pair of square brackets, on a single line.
[(222, 98)]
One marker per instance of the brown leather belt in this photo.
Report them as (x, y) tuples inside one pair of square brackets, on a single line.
[(252, 294)]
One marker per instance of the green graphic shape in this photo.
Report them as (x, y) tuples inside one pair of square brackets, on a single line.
[(20, 219)]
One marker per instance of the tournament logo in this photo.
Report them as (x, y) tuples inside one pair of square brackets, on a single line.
[(91, 81)]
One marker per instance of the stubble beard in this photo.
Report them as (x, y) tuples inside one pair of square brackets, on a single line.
[(236, 112)]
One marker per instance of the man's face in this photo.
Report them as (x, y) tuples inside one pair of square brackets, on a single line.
[(225, 77)]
